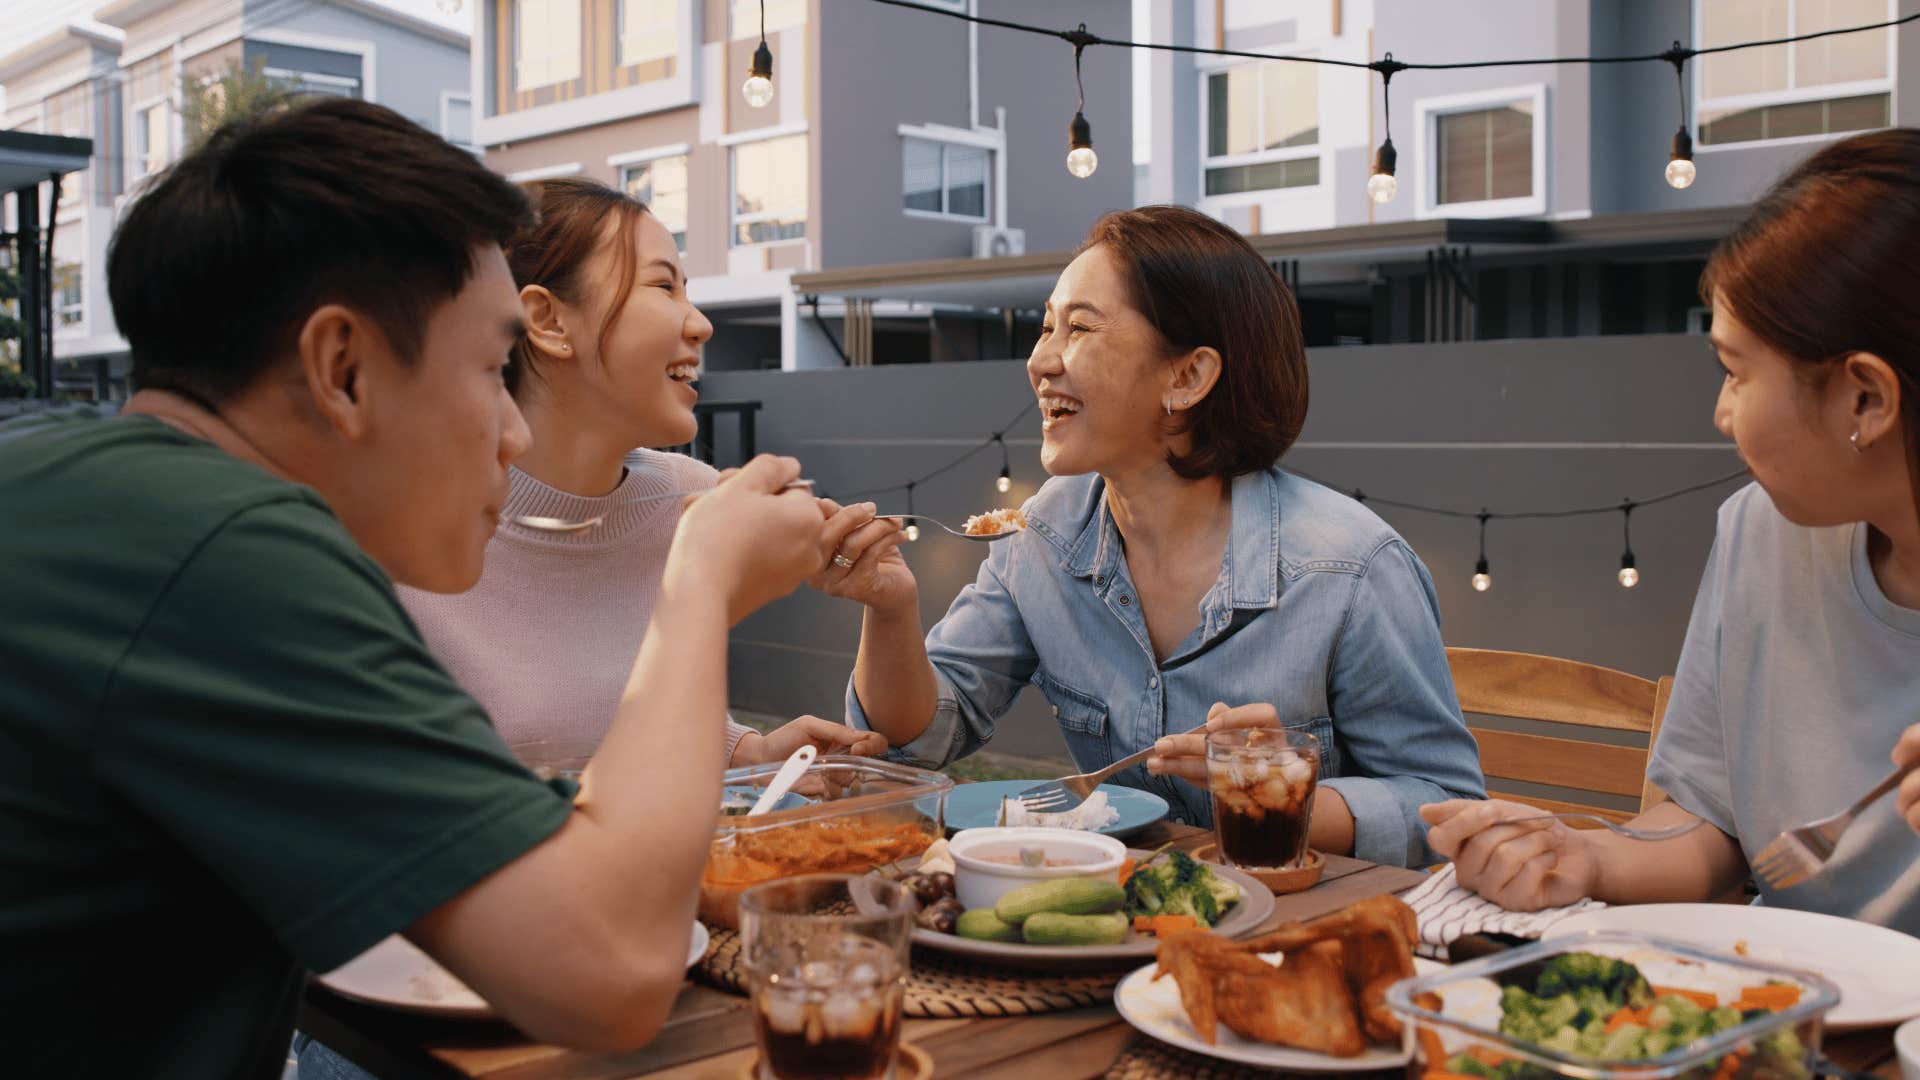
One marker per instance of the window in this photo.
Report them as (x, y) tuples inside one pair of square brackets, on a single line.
[(770, 190), (1806, 89), (150, 131), (662, 185), (308, 82), (69, 294), (546, 42), (1485, 154), (945, 178), (780, 15), (456, 119), (649, 32), (1263, 128)]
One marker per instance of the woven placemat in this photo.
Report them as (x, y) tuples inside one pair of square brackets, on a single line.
[(944, 987), (1151, 1059)]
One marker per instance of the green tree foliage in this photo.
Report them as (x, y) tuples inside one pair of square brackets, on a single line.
[(236, 93)]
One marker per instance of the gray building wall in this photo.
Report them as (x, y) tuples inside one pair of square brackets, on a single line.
[(883, 67), (1508, 425), (1636, 110), (411, 68)]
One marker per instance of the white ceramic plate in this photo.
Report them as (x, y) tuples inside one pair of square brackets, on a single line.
[(1255, 904), (1874, 967), (1154, 1007), (398, 975)]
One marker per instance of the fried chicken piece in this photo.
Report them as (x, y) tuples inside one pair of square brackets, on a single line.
[(1376, 937), (1303, 1003)]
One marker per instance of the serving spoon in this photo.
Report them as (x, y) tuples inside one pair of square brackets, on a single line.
[(553, 524)]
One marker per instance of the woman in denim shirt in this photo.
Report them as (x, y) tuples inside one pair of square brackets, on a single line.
[(1171, 564)]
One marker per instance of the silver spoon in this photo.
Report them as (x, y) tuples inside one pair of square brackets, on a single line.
[(551, 524)]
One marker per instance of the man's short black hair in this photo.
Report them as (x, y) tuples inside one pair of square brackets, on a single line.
[(214, 271)]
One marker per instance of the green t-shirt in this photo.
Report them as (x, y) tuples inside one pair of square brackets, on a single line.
[(225, 756)]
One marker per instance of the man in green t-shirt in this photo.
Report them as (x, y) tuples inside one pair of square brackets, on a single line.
[(225, 755)]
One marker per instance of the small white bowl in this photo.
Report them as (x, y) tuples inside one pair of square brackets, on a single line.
[(1906, 1040), (980, 883)]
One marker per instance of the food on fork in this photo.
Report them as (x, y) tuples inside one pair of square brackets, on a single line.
[(1329, 993), (1090, 816), (994, 522)]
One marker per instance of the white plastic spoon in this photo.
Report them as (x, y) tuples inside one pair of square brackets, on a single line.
[(796, 764)]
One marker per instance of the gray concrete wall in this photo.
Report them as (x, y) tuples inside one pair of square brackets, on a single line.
[(883, 67), (411, 69), (1520, 425), (1636, 110)]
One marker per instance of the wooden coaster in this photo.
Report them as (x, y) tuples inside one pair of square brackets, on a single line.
[(1281, 882), (910, 1063), (945, 987)]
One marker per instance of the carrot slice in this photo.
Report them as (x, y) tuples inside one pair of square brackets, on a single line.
[(1624, 1017), (1773, 997), (1126, 870), (1442, 1074), (1700, 998), (1433, 1049), (1143, 924), (1166, 925)]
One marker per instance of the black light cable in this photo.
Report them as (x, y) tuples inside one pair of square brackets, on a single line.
[(758, 89)]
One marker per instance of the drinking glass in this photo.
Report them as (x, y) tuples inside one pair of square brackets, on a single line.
[(827, 969), (1262, 780)]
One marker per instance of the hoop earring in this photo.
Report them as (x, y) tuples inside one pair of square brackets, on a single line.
[(1168, 405)]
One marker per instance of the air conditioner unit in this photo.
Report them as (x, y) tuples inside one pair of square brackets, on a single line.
[(995, 241)]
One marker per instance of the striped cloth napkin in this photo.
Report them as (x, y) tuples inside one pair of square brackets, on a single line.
[(1448, 910)]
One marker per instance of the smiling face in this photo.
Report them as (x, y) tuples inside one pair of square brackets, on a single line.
[(1101, 375), (1793, 431)]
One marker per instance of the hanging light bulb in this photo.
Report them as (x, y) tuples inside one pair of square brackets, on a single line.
[(913, 530), (1482, 581), (1005, 483), (1680, 170), (913, 527), (1629, 573), (1081, 160), (758, 89), (1381, 186)]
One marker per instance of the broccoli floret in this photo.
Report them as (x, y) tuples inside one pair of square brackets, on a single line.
[(1468, 1065), (1192, 900), (1620, 981), (1175, 884)]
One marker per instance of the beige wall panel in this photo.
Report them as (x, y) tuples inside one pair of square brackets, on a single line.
[(591, 147)]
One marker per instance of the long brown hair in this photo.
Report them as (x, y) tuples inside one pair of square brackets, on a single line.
[(1824, 266), (1199, 283), (554, 254)]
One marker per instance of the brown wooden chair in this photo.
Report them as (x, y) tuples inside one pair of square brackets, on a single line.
[(1560, 696)]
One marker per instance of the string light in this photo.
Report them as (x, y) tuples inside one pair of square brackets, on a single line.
[(1680, 170), (1482, 579), (1629, 573), (913, 527), (758, 89), (1004, 483), (1081, 160), (1381, 185)]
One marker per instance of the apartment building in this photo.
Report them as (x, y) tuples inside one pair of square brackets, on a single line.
[(893, 135), (121, 75)]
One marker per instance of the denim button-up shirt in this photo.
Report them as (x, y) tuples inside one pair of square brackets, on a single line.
[(1320, 610)]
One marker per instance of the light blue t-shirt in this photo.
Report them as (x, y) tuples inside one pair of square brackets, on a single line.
[(1797, 678), (1320, 609)]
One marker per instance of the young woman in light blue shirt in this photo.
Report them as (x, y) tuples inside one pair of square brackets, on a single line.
[(1171, 564)]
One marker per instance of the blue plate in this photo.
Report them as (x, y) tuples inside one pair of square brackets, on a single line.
[(743, 796), (976, 806)]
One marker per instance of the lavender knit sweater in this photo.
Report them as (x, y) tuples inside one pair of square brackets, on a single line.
[(546, 639)]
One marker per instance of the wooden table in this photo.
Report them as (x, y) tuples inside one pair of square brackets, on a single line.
[(709, 1035)]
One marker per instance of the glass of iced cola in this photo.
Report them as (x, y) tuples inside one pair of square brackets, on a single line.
[(1262, 780)]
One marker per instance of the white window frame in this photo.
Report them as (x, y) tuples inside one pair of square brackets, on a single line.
[(735, 219), (1318, 150), (620, 36), (620, 163), (1793, 96), (139, 160), (367, 51), (993, 142), (447, 100), (520, 85), (1427, 113)]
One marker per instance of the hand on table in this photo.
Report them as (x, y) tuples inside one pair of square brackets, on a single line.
[(862, 560), (1540, 864), (1185, 756), (825, 735), (747, 538), (1906, 798)]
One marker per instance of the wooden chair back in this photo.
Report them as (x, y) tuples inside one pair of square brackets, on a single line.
[(1552, 690)]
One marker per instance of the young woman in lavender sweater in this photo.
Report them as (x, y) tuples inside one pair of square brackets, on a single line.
[(545, 640)]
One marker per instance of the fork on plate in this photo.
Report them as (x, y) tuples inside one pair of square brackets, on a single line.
[(1799, 853), (1068, 792)]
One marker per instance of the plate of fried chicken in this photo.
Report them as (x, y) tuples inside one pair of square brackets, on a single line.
[(1308, 997)]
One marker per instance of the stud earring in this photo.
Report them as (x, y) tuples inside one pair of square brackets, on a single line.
[(1855, 440), (1167, 405)]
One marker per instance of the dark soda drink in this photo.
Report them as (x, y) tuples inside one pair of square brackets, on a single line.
[(1263, 798), (834, 1020)]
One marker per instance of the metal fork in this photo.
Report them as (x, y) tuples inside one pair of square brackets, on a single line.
[(1799, 853), (1068, 792), (1627, 831), (552, 524)]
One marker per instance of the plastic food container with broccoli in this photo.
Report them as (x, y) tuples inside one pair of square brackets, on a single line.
[(1606, 1005)]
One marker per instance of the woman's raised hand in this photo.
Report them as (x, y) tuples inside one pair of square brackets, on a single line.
[(1539, 864), (1185, 756), (862, 560), (748, 538), (1907, 799)]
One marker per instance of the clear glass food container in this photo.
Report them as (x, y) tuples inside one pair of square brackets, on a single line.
[(846, 815), (1456, 1016)]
